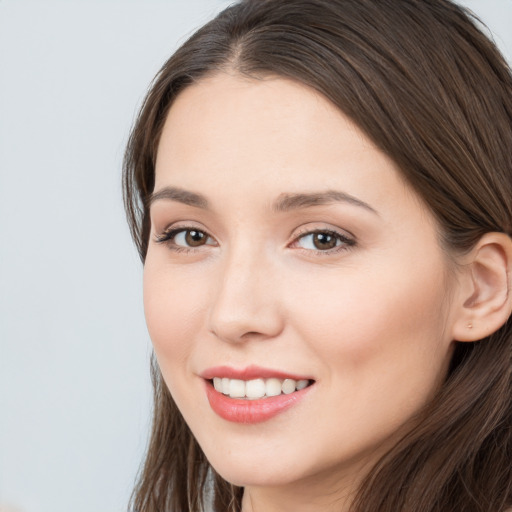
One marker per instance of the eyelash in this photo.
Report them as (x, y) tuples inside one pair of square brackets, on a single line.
[(345, 241), (167, 238)]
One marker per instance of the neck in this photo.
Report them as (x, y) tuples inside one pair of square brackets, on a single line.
[(256, 500)]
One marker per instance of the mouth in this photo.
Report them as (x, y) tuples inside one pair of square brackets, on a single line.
[(254, 394), (257, 389)]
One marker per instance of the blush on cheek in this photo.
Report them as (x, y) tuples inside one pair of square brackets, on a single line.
[(372, 316), (172, 310)]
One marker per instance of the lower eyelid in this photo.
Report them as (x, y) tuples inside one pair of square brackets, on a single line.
[(168, 238), (343, 238)]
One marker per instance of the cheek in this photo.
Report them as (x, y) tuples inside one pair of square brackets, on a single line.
[(374, 322), (381, 343), (171, 306)]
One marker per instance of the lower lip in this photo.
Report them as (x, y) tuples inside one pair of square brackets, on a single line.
[(251, 411)]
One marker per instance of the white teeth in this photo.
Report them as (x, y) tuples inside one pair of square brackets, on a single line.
[(301, 384), (236, 388), (288, 386), (257, 388), (225, 386), (273, 387)]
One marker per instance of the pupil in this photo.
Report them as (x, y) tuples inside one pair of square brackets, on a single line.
[(195, 238), (324, 241)]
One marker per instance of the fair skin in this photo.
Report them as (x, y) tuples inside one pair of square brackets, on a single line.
[(349, 289)]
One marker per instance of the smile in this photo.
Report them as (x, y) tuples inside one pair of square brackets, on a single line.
[(254, 394), (257, 388)]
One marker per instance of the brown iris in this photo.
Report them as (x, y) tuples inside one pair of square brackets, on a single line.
[(195, 238), (324, 241)]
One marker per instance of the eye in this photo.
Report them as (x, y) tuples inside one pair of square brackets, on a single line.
[(190, 238), (323, 240), (185, 238)]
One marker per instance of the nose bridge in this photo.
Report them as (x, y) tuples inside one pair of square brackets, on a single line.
[(244, 305)]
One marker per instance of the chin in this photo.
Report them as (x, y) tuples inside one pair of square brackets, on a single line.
[(254, 466), (252, 474)]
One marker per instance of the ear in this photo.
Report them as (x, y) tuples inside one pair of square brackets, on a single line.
[(484, 301)]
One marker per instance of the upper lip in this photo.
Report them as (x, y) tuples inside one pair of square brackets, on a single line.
[(249, 373)]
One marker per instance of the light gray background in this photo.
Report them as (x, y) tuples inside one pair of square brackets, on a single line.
[(74, 382)]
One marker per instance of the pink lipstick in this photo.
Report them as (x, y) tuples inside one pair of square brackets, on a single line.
[(253, 394)]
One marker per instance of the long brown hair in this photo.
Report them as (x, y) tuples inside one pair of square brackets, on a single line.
[(432, 92)]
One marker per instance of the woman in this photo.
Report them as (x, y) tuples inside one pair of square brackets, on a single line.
[(321, 192)]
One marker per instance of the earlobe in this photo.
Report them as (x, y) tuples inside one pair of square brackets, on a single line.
[(485, 289)]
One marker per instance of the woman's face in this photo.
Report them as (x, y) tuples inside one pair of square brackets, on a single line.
[(286, 250)]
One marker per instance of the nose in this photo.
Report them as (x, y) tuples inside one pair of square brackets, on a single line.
[(246, 305)]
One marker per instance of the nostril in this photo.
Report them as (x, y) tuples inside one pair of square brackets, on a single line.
[(252, 334)]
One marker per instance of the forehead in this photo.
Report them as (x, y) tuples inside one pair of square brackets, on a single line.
[(231, 135), (231, 116)]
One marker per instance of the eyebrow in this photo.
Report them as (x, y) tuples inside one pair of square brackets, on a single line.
[(287, 202), (180, 195), (284, 203)]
